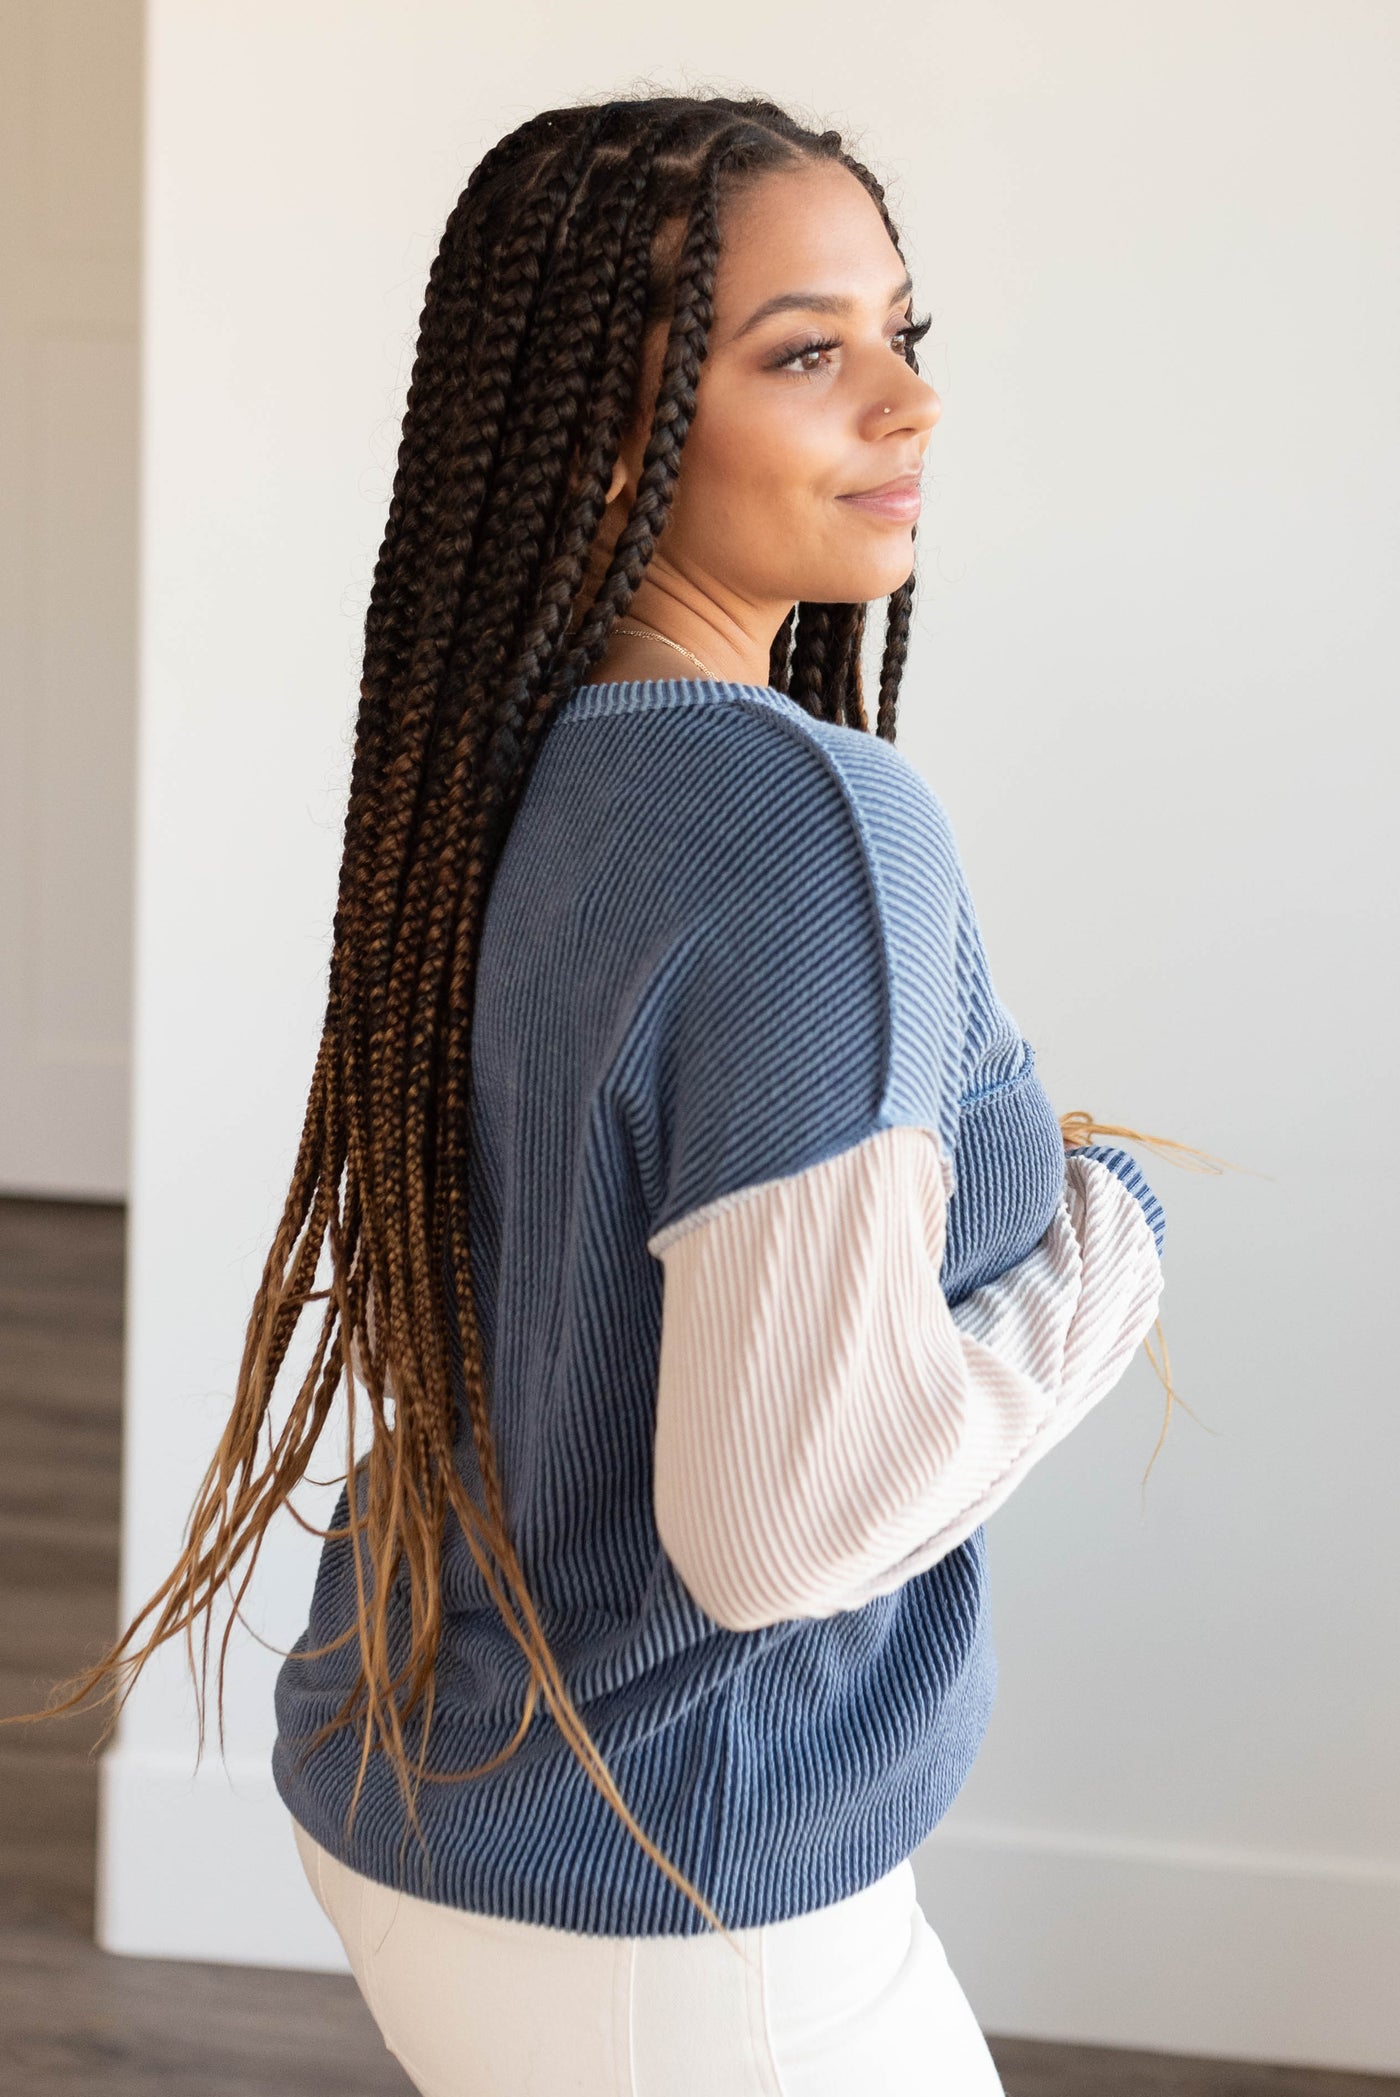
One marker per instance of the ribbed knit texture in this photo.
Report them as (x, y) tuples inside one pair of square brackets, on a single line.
[(827, 1425), (726, 947)]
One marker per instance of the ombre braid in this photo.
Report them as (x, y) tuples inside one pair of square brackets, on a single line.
[(574, 236)]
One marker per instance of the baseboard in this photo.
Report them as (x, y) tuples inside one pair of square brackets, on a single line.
[(1231, 1955), (1208, 1953), (203, 1865)]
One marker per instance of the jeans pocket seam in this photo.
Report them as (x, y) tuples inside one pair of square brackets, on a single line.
[(317, 1858), (760, 2029), (371, 1992), (624, 2076)]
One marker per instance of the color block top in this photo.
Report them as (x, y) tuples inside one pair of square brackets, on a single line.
[(785, 1280)]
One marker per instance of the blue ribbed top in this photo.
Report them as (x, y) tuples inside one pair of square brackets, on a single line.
[(725, 941)]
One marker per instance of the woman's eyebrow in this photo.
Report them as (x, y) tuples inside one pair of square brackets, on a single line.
[(812, 302)]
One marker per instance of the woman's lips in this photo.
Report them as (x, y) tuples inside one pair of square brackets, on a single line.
[(901, 501)]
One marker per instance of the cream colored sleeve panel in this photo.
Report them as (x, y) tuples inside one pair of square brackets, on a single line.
[(826, 1425)]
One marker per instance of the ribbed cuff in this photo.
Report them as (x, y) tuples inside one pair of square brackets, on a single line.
[(1125, 1166)]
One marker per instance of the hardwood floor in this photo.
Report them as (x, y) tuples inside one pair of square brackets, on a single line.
[(79, 2022)]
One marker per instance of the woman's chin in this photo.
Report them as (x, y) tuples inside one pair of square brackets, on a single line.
[(862, 582)]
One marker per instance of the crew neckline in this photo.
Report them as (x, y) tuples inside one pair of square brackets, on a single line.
[(644, 694)]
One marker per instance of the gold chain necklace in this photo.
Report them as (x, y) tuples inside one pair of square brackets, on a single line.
[(649, 633)]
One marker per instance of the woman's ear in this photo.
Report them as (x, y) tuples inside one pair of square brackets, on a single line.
[(615, 485)]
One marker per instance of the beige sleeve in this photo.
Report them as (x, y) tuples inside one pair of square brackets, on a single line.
[(827, 1425)]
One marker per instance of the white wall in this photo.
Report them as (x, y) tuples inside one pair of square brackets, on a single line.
[(1152, 682)]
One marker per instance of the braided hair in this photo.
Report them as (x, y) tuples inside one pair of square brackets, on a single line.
[(576, 235)]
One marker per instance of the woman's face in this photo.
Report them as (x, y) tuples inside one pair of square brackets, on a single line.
[(786, 429)]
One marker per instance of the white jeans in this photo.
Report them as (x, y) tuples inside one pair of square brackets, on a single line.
[(854, 1997)]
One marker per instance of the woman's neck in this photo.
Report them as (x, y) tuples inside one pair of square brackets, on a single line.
[(625, 660)]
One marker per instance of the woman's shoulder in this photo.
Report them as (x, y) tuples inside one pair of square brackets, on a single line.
[(704, 724), (732, 804), (834, 776), (899, 821)]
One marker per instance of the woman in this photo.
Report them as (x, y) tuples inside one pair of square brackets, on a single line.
[(709, 1252)]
